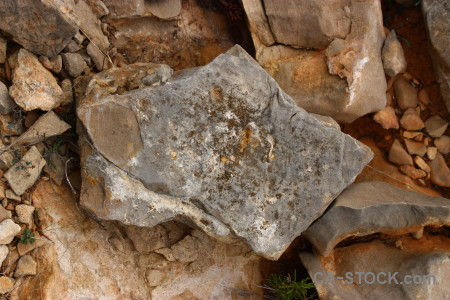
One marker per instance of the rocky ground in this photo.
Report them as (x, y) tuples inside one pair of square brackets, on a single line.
[(145, 155)]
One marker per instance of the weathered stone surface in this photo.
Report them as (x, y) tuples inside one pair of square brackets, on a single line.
[(443, 144), (26, 266), (412, 172), (3, 253), (8, 229), (387, 118), (440, 173), (221, 145), (411, 120), (436, 14), (33, 85), (394, 61), (73, 63), (164, 10), (24, 173), (4, 214), (415, 148), (25, 214), (119, 8), (417, 258), (345, 79), (3, 44), (90, 25), (370, 207), (398, 155), (405, 93), (6, 285), (42, 26), (6, 103), (46, 126), (435, 126)]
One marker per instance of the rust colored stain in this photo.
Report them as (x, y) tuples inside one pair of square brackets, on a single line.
[(247, 139)]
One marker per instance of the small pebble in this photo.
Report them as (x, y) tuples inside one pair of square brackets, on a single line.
[(443, 144), (412, 172), (431, 152), (421, 164), (435, 126)]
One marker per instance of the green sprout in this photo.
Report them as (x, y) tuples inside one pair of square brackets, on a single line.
[(287, 288), (27, 237)]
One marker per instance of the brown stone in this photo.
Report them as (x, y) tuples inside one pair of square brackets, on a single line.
[(415, 148), (26, 266), (435, 126), (387, 118), (398, 155), (431, 152), (413, 172), (440, 173), (405, 93), (443, 144), (423, 97), (411, 121), (6, 285)]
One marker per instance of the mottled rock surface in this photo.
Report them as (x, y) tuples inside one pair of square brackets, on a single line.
[(221, 146), (370, 207), (343, 76), (34, 87), (436, 14), (42, 26)]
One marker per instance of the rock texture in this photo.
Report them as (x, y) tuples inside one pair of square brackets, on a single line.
[(44, 27), (226, 150), (343, 77), (34, 87), (370, 207), (436, 14), (394, 61)]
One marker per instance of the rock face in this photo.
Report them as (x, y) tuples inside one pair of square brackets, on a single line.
[(371, 207), (436, 14), (406, 249), (343, 75), (34, 87), (221, 146), (42, 26)]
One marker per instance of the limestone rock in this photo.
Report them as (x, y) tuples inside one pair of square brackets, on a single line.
[(387, 118), (341, 78), (394, 61), (6, 103), (4, 214), (155, 277), (164, 10), (411, 120), (412, 172), (370, 207), (416, 259), (209, 166), (33, 85), (436, 14), (74, 63), (90, 25), (24, 174), (120, 8), (11, 195), (415, 148), (8, 229), (3, 253), (25, 214), (435, 126), (26, 266), (6, 285), (145, 239), (46, 126), (3, 44), (443, 144), (405, 93), (440, 173), (398, 155), (43, 27)]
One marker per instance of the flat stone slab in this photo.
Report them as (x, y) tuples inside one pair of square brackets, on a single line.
[(221, 147), (371, 207)]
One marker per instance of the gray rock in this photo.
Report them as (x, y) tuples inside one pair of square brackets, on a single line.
[(34, 87), (376, 259), (398, 154), (394, 61), (6, 103), (25, 267), (24, 174), (370, 207), (3, 44), (73, 63), (46, 126), (436, 14), (8, 229), (90, 25), (343, 76), (43, 27), (221, 146)]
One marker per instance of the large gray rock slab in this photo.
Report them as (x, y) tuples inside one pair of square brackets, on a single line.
[(325, 54), (436, 14), (44, 27), (221, 147), (371, 207)]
